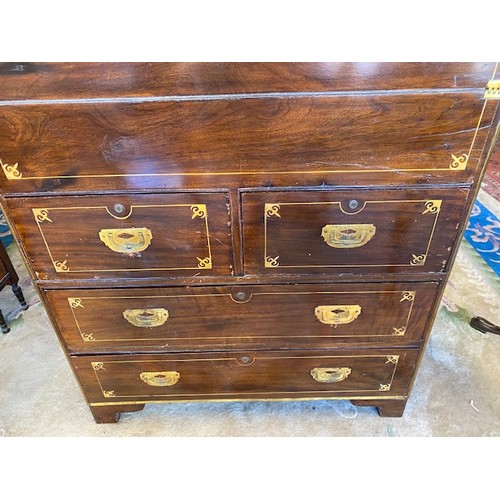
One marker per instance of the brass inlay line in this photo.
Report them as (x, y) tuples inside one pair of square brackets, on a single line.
[(256, 172), (209, 399), (233, 358)]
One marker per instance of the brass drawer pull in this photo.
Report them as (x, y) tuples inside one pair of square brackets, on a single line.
[(348, 235), (146, 318), (160, 379), (129, 241), (337, 315), (330, 375)]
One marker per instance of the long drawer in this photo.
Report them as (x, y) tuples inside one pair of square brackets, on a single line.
[(215, 318), (137, 235), (158, 145), (351, 231), (246, 375)]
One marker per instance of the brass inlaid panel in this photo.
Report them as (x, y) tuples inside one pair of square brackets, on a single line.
[(226, 376), (212, 318), (345, 236), (114, 239)]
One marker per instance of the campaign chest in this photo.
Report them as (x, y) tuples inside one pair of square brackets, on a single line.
[(243, 231)]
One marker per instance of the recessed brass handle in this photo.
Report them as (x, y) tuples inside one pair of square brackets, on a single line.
[(337, 315), (146, 318), (129, 241), (348, 235), (160, 379), (330, 375)]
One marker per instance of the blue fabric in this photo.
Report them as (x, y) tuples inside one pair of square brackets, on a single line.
[(5, 234), (483, 233)]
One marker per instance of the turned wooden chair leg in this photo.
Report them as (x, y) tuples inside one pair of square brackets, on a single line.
[(20, 297), (3, 325)]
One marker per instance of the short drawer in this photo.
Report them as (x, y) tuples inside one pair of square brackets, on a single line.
[(362, 231), (221, 318), (125, 235), (248, 375)]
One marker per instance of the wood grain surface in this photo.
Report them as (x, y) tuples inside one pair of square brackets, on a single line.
[(190, 235), (283, 230), (45, 80), (245, 375), (356, 139), (245, 317)]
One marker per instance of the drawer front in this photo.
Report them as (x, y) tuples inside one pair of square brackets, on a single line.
[(125, 236), (215, 318), (253, 375), (368, 231), (354, 138)]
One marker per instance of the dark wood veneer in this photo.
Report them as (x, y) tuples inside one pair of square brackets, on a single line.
[(245, 317), (177, 145), (45, 80), (414, 230), (190, 235), (245, 375)]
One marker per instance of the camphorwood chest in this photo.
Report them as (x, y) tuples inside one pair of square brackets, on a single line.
[(243, 231)]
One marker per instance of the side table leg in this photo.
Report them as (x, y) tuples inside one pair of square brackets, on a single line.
[(20, 297), (3, 325)]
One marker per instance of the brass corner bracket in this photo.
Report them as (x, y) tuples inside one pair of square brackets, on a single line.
[(11, 171), (492, 90)]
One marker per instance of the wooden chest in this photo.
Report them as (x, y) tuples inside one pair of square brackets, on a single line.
[(236, 231)]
